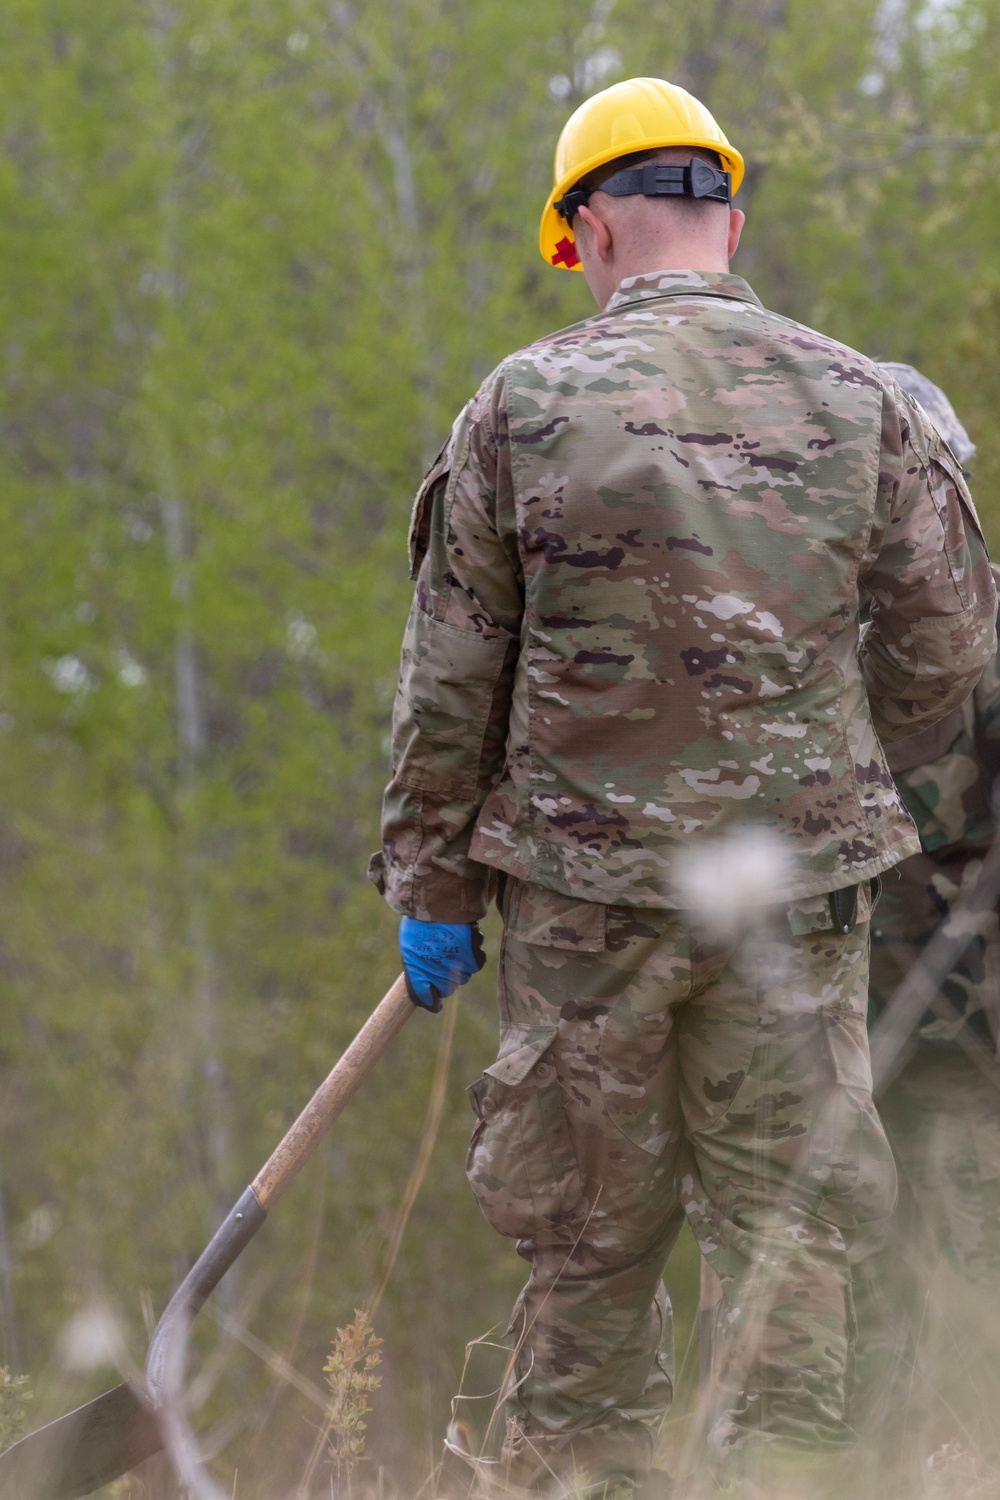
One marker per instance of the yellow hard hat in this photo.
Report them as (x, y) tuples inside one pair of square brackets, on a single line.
[(640, 114)]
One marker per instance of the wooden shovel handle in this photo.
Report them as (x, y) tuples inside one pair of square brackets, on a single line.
[(250, 1210), (110, 1435), (334, 1094)]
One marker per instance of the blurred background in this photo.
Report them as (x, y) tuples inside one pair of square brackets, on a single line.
[(254, 256)]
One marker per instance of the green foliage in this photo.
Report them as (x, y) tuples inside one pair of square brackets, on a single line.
[(254, 255)]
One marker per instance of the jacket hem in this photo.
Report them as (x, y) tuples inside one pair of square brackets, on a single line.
[(809, 883)]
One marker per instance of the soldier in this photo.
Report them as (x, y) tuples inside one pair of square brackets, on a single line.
[(635, 632), (942, 1108)]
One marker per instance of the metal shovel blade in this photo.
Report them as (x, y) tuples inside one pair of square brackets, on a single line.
[(82, 1451), (99, 1442)]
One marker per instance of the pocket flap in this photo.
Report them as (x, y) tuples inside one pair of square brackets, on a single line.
[(520, 1049), (812, 913), (847, 1039), (550, 920)]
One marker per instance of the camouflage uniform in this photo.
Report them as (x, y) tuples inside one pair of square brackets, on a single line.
[(942, 1110), (650, 1067), (636, 626)]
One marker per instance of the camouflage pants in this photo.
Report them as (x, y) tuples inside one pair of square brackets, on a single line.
[(942, 1116), (649, 1068)]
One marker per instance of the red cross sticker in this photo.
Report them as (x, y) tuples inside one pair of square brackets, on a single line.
[(566, 255)]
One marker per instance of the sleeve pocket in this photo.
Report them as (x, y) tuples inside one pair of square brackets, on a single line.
[(447, 682), (947, 461), (450, 459), (942, 640), (420, 516)]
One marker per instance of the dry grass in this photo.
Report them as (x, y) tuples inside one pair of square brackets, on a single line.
[(350, 1373)]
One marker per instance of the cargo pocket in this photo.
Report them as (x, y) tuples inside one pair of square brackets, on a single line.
[(521, 1164), (850, 1160), (639, 1068)]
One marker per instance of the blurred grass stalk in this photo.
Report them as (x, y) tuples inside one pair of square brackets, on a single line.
[(350, 1373)]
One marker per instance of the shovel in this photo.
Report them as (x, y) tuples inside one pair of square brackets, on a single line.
[(99, 1442)]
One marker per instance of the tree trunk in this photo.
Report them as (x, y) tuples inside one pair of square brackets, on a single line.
[(209, 1106)]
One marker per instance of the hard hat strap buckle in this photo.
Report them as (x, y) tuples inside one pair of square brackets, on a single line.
[(571, 202), (698, 179)]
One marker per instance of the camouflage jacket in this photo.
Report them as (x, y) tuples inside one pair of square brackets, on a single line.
[(945, 774), (636, 618), (945, 777)]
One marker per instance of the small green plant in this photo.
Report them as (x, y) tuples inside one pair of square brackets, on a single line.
[(350, 1374), (15, 1397)]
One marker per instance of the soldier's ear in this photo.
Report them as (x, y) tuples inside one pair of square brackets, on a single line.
[(596, 236), (736, 223)]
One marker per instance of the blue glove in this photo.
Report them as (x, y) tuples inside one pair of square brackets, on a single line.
[(438, 957)]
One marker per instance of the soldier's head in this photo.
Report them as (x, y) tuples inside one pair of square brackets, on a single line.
[(624, 236), (644, 179)]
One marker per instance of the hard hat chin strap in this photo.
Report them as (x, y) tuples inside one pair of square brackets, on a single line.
[(699, 179)]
